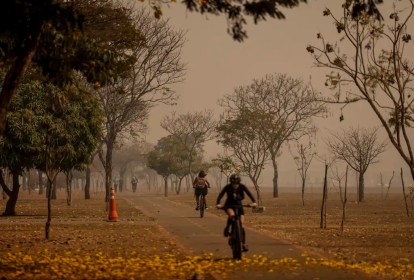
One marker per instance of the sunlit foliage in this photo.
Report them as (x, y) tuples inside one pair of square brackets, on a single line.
[(168, 266)]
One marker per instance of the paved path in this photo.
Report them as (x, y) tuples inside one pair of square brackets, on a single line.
[(198, 236)]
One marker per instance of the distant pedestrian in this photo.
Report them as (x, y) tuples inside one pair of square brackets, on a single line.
[(121, 184), (116, 184), (134, 183)]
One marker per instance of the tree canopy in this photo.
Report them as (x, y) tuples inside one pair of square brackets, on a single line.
[(193, 130), (49, 129), (375, 67), (279, 108), (48, 34)]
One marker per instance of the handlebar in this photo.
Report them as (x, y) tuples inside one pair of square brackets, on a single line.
[(237, 206)]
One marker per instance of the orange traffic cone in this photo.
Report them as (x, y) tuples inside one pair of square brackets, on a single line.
[(113, 215)]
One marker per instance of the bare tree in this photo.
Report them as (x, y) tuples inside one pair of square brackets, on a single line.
[(303, 160), (216, 176), (375, 68), (282, 109), (410, 198), (322, 223), (247, 146), (156, 66), (389, 185), (343, 192), (382, 186), (404, 194), (192, 130), (359, 148)]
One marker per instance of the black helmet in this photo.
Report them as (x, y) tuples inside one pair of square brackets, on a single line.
[(202, 174), (235, 178)]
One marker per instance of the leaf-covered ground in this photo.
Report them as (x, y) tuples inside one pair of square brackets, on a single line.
[(378, 239)]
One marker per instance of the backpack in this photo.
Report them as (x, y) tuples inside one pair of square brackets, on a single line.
[(200, 182)]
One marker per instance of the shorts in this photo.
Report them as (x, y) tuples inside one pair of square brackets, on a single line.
[(201, 190), (239, 209)]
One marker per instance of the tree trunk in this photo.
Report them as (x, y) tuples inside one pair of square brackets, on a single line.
[(303, 191), (40, 178), (324, 199), (122, 179), (13, 196), (69, 188), (361, 189), (54, 189), (88, 183), (29, 181), (15, 73), (411, 166), (180, 181), (49, 208), (404, 194), (165, 186), (108, 169), (51, 184), (275, 178), (344, 201), (258, 193), (188, 183)]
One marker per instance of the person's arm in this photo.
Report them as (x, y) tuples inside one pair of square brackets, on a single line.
[(249, 194), (207, 183), (221, 194)]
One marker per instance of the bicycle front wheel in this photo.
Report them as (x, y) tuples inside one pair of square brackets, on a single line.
[(236, 244)]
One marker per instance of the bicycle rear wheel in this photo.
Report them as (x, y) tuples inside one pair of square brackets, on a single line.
[(236, 242), (202, 206)]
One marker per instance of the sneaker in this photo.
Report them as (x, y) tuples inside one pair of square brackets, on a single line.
[(245, 248), (226, 231), (206, 208)]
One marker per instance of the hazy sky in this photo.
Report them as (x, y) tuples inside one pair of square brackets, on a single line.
[(216, 64)]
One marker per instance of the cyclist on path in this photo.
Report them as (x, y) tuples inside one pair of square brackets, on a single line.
[(235, 194), (201, 186)]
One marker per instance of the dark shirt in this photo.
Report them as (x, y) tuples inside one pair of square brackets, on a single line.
[(234, 196)]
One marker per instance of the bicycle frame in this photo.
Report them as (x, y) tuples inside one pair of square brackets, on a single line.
[(236, 235), (235, 238)]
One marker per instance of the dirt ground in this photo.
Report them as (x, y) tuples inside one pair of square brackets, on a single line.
[(377, 230), (83, 226)]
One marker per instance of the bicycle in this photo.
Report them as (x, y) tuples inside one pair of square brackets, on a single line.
[(236, 236), (201, 205)]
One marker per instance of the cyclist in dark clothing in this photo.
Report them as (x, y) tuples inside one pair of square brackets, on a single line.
[(235, 194)]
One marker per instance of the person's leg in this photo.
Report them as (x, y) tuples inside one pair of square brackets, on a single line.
[(197, 197), (245, 247), (230, 218), (205, 202)]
